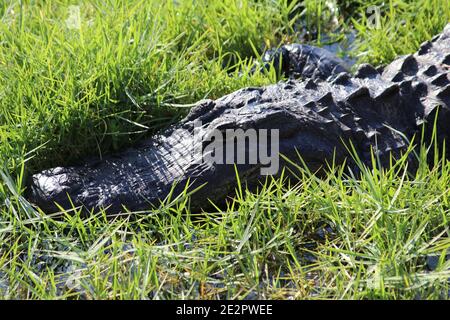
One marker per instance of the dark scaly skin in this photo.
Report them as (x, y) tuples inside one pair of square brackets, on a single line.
[(314, 118)]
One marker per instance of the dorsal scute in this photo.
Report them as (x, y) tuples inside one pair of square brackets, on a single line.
[(366, 70)]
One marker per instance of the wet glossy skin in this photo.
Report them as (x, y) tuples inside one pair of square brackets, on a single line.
[(315, 117)]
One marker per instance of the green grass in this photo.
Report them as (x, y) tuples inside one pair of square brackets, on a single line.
[(133, 67)]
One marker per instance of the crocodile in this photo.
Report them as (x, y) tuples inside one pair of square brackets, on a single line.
[(318, 111)]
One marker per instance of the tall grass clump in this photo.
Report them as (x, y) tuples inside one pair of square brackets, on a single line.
[(375, 31)]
